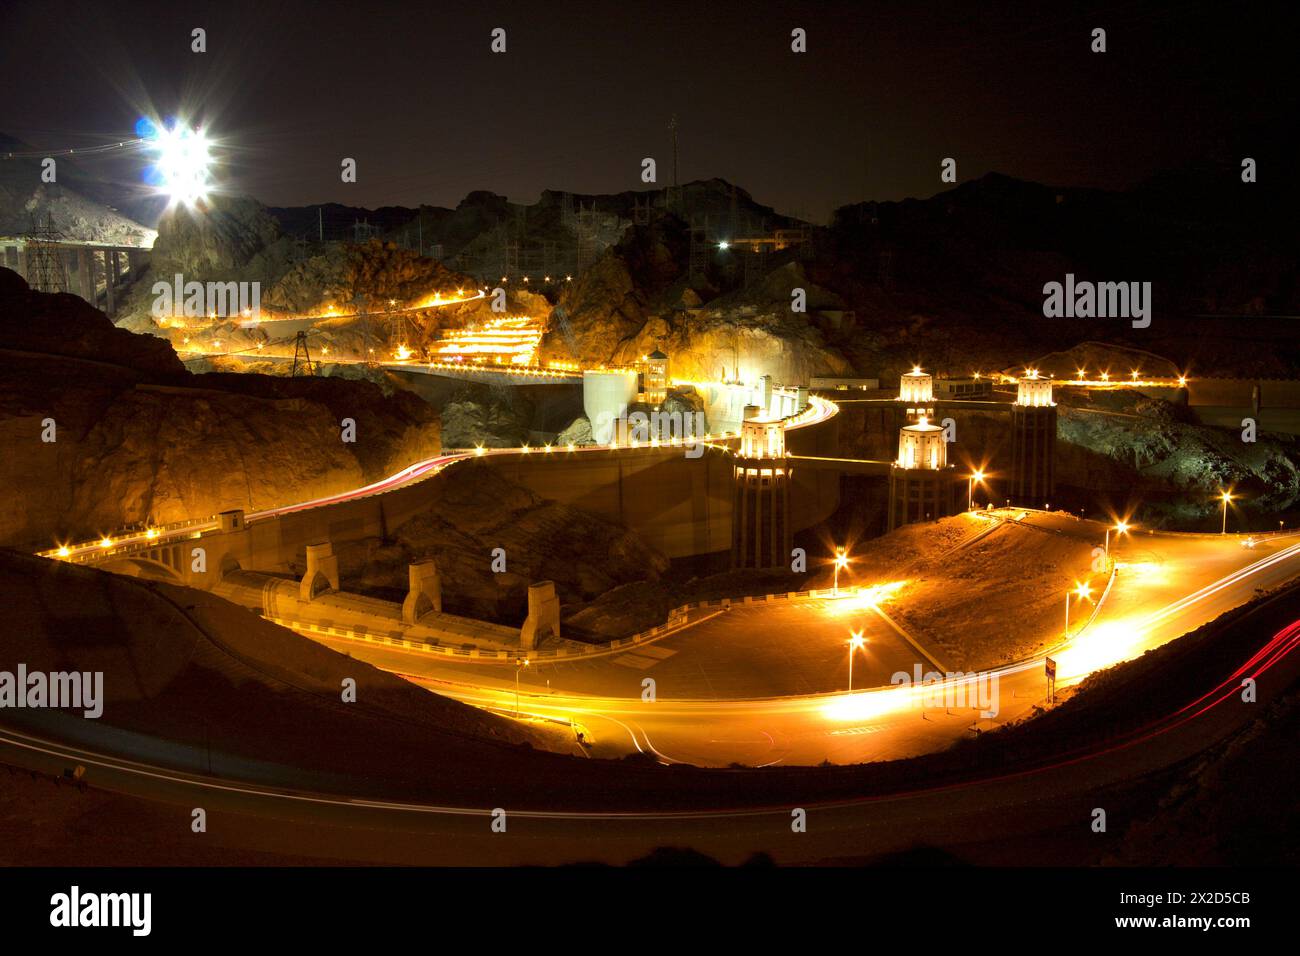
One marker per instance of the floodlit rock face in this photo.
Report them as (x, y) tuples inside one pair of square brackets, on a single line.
[(604, 310), (722, 342), (382, 271), (636, 299), (136, 438)]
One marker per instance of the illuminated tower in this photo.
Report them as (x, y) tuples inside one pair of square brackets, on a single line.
[(1033, 441), (760, 517), (916, 391), (922, 485)]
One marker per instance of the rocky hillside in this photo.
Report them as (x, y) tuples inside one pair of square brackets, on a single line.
[(638, 297), (138, 438), (237, 239), (221, 688), (959, 276), (72, 203), (1149, 454)]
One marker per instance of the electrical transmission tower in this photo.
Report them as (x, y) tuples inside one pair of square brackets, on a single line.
[(675, 190), (45, 269), (300, 348)]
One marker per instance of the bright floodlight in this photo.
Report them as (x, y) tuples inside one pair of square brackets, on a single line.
[(184, 155)]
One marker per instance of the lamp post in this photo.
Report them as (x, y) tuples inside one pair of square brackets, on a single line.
[(841, 561), (970, 488), (1120, 528), (1225, 497), (520, 663), (856, 641), (1082, 591)]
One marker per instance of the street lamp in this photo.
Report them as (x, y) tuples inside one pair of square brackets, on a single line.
[(970, 488), (1225, 497), (520, 663), (1081, 591), (1121, 527), (841, 561), (855, 641)]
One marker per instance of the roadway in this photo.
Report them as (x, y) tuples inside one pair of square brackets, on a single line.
[(989, 818), (1166, 585)]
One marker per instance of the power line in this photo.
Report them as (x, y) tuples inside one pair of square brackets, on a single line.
[(79, 151)]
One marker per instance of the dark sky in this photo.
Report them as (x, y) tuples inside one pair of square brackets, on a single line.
[(585, 91)]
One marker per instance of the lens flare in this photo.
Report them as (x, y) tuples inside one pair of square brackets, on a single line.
[(181, 170)]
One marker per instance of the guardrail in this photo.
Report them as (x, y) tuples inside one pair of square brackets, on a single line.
[(678, 617), (162, 534), (483, 655)]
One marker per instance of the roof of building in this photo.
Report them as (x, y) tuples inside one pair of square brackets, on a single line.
[(656, 354)]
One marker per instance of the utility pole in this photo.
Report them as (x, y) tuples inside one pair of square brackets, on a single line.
[(320, 222)]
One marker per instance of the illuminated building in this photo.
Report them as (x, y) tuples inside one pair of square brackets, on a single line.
[(965, 389), (1033, 441), (760, 521), (916, 390), (655, 377), (922, 485)]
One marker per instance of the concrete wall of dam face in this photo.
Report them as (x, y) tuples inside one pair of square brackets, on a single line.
[(724, 405), (680, 506), (1225, 402)]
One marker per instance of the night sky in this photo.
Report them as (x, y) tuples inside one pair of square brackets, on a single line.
[(585, 91)]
